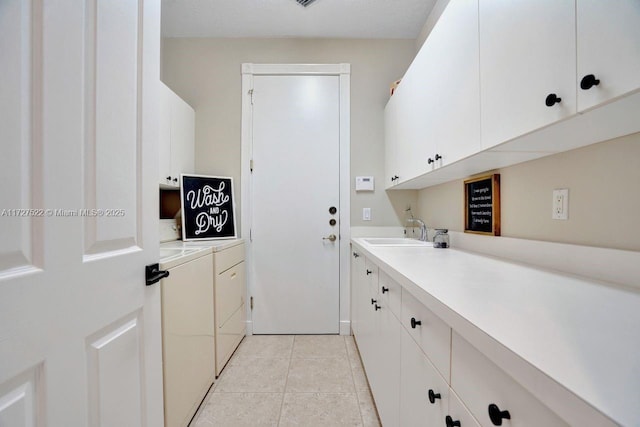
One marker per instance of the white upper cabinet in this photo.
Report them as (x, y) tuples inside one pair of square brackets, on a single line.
[(434, 116), (608, 49), (390, 138), (527, 66), (453, 74), (177, 138)]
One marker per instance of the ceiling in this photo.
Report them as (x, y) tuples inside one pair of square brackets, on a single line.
[(389, 19)]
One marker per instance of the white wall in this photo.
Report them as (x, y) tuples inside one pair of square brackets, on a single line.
[(604, 202), (206, 73)]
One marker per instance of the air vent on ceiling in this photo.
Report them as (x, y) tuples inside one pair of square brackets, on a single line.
[(305, 3)]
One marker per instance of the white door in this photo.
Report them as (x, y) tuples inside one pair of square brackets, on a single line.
[(79, 331), (295, 183)]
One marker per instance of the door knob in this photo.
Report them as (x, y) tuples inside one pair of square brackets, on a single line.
[(588, 82), (496, 415), (552, 99), (450, 422), (331, 238)]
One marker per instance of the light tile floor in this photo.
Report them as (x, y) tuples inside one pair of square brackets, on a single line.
[(286, 380)]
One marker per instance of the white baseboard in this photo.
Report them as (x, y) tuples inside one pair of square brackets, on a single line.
[(345, 327)]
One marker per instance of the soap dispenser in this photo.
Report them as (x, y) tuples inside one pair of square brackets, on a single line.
[(441, 238)]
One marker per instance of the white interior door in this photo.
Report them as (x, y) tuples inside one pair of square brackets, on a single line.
[(295, 183), (79, 331)]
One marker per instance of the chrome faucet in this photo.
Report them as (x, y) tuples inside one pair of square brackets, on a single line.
[(423, 226)]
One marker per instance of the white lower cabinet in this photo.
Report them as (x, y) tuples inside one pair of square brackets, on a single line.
[(385, 380), (229, 301), (187, 338), (431, 333), (492, 396), (424, 394), (423, 373)]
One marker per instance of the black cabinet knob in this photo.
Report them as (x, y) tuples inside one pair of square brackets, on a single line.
[(430, 160), (377, 307), (451, 423), (588, 82), (497, 415), (438, 157), (433, 396), (369, 272), (175, 179), (552, 99), (393, 178), (355, 255), (169, 178), (415, 322), (385, 290), (373, 301)]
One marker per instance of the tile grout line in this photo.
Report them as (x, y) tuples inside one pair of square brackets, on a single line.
[(286, 379)]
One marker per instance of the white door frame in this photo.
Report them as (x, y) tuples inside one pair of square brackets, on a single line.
[(344, 71)]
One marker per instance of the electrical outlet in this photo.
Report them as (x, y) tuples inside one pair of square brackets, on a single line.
[(366, 214), (560, 204)]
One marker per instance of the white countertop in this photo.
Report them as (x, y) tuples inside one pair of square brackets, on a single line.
[(178, 252), (581, 333)]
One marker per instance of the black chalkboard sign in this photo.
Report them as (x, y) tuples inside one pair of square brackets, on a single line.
[(482, 205), (208, 208)]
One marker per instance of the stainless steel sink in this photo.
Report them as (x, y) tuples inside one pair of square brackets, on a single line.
[(397, 241)]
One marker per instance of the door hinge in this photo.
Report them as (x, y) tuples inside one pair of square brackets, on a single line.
[(251, 165), (251, 94), (251, 303)]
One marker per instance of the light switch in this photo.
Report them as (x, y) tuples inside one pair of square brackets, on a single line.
[(366, 214)]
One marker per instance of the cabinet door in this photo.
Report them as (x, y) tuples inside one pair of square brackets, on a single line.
[(187, 338), (418, 379), (453, 72), (414, 121), (390, 142), (609, 48), (164, 136), (182, 136), (357, 272), (527, 52), (384, 377)]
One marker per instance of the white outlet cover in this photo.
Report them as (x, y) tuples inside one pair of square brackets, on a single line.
[(560, 204)]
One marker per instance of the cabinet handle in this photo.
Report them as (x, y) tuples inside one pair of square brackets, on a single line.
[(169, 178), (373, 301), (385, 290), (438, 157), (369, 272), (415, 323), (497, 415), (377, 307), (175, 179), (451, 423), (552, 99), (430, 160), (393, 178), (355, 255), (588, 82), (433, 396)]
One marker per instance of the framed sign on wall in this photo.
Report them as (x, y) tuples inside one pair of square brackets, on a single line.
[(208, 207), (482, 205)]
